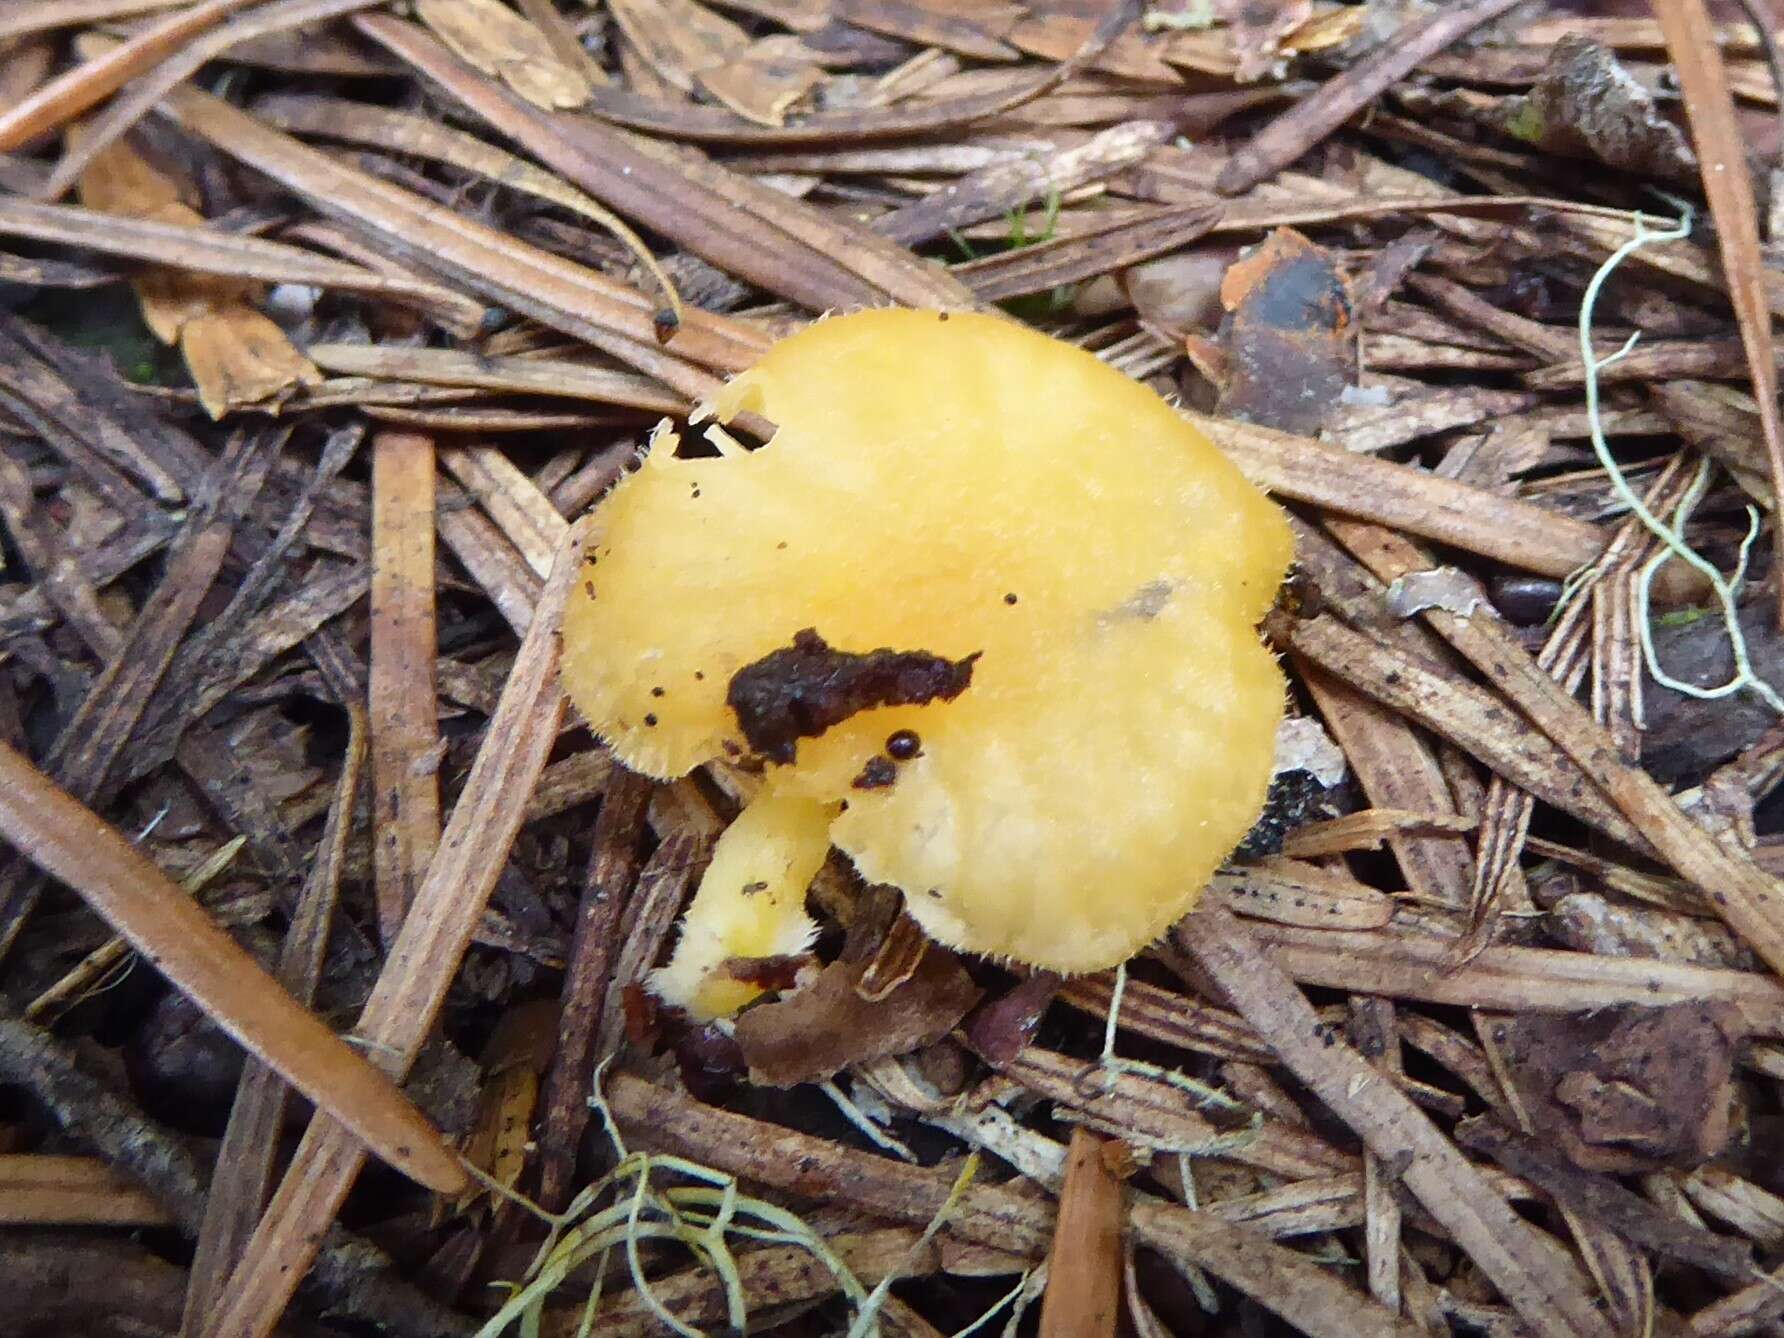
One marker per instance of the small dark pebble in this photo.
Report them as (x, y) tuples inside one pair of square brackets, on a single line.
[(904, 744), (1525, 600)]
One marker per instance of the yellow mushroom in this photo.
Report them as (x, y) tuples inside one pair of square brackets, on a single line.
[(985, 609)]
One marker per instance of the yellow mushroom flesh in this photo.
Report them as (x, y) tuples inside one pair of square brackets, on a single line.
[(750, 904), (971, 494)]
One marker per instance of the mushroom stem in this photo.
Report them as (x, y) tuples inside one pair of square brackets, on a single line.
[(751, 903)]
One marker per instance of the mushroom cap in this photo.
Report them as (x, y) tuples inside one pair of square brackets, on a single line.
[(1116, 736)]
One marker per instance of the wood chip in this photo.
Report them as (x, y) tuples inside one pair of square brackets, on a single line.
[(1084, 1271), (406, 743), (41, 1190)]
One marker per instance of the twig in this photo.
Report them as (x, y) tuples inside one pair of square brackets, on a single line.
[(570, 297), (1373, 1032), (86, 751), (178, 939), (1603, 1200), (99, 969), (647, 923), (1548, 1292), (853, 1113), (1740, 892), (24, 20), (245, 1160), (41, 1190), (351, 1276), (1764, 28), (1511, 530), (68, 95), (1672, 536), (135, 102), (473, 851), (703, 1217), (360, 123), (208, 251), (1722, 158), (1507, 810), (1418, 966), (595, 947), (1312, 120), (1282, 1280), (867, 1316), (782, 243)]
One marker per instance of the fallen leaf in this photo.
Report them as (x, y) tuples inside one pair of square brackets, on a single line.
[(765, 82), (678, 38), (1257, 28), (818, 1031), (1588, 106), (513, 1062), (1287, 337), (1627, 1089), (236, 355), (499, 42), (1001, 1029), (688, 47), (1330, 26)]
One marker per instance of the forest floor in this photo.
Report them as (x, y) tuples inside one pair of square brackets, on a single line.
[(324, 322)]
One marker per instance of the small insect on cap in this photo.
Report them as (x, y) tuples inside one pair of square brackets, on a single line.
[(994, 594)]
